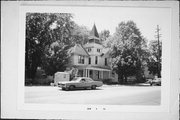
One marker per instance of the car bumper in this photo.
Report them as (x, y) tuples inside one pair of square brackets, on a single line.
[(62, 85)]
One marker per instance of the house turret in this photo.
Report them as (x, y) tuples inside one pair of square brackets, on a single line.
[(94, 36)]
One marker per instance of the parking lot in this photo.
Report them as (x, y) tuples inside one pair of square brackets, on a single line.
[(105, 95)]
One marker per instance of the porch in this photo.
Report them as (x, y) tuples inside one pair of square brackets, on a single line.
[(94, 73)]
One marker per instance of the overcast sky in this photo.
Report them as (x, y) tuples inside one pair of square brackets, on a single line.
[(107, 18)]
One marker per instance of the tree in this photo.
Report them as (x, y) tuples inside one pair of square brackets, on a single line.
[(128, 51), (43, 29), (104, 35), (154, 64), (108, 42), (34, 47), (55, 58), (80, 34)]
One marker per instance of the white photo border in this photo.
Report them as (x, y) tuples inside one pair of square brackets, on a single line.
[(170, 56)]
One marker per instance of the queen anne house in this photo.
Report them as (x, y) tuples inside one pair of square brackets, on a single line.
[(92, 59)]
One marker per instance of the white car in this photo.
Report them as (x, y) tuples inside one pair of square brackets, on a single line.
[(156, 81), (80, 82)]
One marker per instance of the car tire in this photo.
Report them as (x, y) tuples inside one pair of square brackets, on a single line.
[(66, 88), (93, 87), (71, 87)]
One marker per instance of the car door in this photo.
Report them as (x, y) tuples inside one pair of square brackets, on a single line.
[(82, 83), (88, 82)]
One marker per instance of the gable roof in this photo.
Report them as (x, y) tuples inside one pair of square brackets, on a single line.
[(106, 52), (78, 50)]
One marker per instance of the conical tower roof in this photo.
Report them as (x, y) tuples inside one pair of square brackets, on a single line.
[(94, 36), (94, 32)]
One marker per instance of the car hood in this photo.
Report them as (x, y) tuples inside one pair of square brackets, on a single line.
[(66, 82)]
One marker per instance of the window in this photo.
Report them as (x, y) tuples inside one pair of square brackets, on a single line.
[(96, 60), (106, 61), (89, 60), (89, 80), (89, 49), (113, 74), (81, 59), (83, 80), (98, 50), (90, 72)]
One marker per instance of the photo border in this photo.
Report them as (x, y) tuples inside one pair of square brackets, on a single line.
[(169, 69)]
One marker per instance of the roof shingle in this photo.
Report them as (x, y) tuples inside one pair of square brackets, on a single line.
[(79, 50), (94, 32)]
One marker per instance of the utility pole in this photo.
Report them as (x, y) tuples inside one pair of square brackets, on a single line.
[(158, 35)]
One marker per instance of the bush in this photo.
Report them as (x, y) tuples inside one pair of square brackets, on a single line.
[(28, 81), (109, 81), (40, 81)]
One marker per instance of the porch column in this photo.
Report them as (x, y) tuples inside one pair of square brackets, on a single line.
[(87, 73), (109, 74), (102, 75)]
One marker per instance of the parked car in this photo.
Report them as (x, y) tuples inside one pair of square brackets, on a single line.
[(80, 82), (156, 81)]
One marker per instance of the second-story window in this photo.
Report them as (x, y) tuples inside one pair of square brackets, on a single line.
[(98, 50), (81, 59), (105, 61), (96, 60), (89, 49), (89, 60)]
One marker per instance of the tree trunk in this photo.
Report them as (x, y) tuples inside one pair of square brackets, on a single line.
[(120, 78), (35, 64), (125, 79)]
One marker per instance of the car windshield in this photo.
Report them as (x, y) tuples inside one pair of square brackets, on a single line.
[(76, 79)]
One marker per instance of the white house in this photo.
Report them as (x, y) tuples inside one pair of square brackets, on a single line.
[(92, 59)]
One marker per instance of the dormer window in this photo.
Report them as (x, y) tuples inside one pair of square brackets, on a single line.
[(98, 50)]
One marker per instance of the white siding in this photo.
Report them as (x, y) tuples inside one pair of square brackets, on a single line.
[(75, 59), (93, 53), (101, 61)]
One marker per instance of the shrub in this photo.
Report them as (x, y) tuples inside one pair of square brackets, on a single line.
[(28, 81), (40, 81), (109, 81)]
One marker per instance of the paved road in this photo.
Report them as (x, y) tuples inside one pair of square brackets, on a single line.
[(106, 95)]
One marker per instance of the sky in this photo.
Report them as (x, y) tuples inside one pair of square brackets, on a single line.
[(108, 18)]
